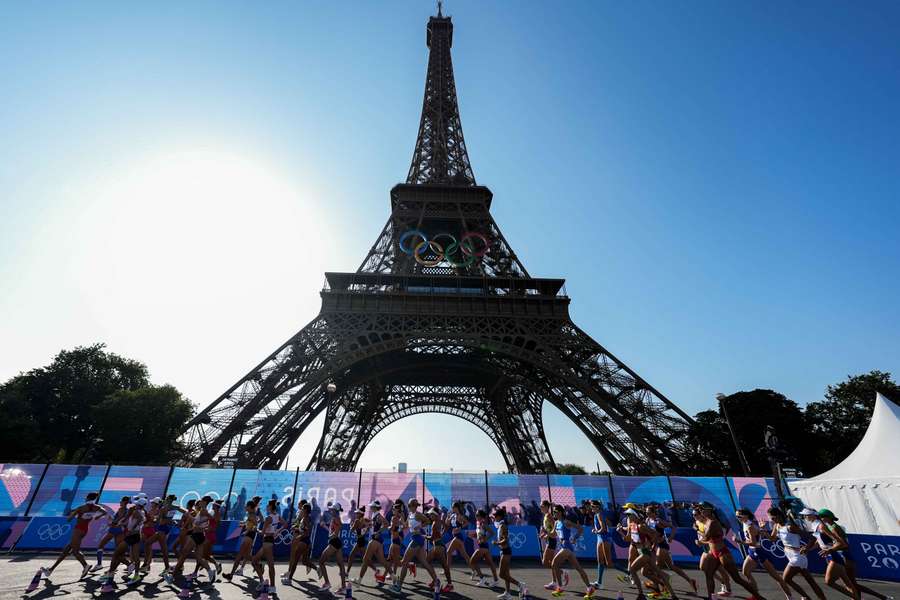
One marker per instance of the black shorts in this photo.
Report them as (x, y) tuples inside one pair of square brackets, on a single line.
[(251, 535), (361, 542), (198, 537), (335, 543), (506, 551), (551, 543), (306, 540), (268, 539), (132, 538)]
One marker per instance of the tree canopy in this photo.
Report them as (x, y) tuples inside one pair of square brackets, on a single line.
[(87, 405)]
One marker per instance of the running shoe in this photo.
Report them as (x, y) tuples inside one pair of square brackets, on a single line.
[(557, 593), (240, 571), (483, 582), (130, 569), (85, 571), (228, 576), (590, 591), (285, 580), (623, 579), (354, 580), (45, 572), (212, 575), (325, 587), (396, 588), (412, 569), (504, 596), (134, 579), (447, 588), (167, 576), (724, 592), (340, 592), (551, 586), (96, 567), (475, 576), (379, 578), (496, 583)]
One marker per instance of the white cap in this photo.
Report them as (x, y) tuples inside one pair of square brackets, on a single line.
[(631, 511), (156, 500), (336, 507), (142, 502), (375, 504), (808, 512)]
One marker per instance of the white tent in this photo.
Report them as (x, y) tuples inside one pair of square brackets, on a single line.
[(863, 490)]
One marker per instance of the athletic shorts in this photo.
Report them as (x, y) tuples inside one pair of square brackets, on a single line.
[(759, 554), (148, 531), (837, 557), (396, 541), (115, 531), (198, 537), (306, 540), (163, 528), (483, 546), (663, 545), (506, 551), (551, 543), (795, 559), (605, 537), (335, 543), (250, 534), (268, 539), (132, 539), (361, 541), (439, 542), (82, 525), (645, 551), (417, 541)]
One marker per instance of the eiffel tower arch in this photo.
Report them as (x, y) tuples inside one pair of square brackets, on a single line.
[(440, 317)]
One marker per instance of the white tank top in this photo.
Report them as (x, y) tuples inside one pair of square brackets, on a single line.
[(788, 538), (415, 526)]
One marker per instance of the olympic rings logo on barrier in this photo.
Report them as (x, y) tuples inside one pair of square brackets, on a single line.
[(284, 537), (417, 244), (774, 548), (53, 531), (516, 540)]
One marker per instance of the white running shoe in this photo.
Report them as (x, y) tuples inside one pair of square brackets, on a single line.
[(130, 569), (504, 596), (96, 567), (212, 575), (551, 586), (325, 587), (285, 580), (475, 576), (483, 582), (354, 580), (85, 571)]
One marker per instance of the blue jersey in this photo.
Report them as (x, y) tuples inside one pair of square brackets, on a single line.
[(563, 534)]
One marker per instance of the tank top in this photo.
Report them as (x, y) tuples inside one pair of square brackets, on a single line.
[(135, 520), (271, 523), (415, 526), (503, 533), (562, 532), (201, 521), (334, 527), (788, 538), (822, 538), (250, 523), (549, 525), (747, 528), (481, 531)]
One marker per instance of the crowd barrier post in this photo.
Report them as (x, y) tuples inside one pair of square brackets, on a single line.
[(37, 489), (423, 486), (358, 489), (612, 492), (168, 481), (549, 490), (487, 494), (228, 497), (734, 508), (294, 495), (674, 510), (103, 483)]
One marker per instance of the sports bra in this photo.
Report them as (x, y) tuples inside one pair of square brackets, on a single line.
[(549, 525), (415, 526), (269, 524), (334, 527)]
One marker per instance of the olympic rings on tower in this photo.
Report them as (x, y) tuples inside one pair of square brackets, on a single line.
[(415, 243)]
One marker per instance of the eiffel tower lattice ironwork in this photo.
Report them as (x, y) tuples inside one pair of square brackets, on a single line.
[(441, 317)]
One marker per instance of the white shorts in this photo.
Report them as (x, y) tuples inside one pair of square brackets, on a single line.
[(795, 559)]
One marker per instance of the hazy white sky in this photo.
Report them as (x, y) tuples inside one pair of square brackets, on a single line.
[(717, 186)]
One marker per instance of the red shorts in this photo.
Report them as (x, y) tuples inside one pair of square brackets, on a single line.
[(717, 553), (211, 536), (82, 525), (148, 531)]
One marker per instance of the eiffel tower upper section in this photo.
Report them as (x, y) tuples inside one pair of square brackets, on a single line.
[(440, 218)]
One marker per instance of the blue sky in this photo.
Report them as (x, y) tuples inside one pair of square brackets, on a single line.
[(716, 181)]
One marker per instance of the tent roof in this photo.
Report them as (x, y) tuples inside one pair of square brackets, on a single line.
[(878, 454)]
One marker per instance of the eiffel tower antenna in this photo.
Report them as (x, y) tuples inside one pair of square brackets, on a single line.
[(440, 317)]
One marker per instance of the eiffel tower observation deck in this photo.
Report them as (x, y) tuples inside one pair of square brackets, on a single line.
[(440, 317)]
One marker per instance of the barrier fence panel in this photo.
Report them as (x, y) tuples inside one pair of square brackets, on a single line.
[(125, 480), (19, 482), (755, 493), (188, 483), (641, 490), (64, 487)]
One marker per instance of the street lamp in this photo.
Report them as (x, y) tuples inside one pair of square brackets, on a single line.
[(737, 447)]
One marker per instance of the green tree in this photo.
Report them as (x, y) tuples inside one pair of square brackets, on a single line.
[(709, 448), (142, 426), (50, 413), (570, 469), (841, 419)]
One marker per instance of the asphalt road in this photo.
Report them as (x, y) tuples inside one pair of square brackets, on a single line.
[(16, 572)]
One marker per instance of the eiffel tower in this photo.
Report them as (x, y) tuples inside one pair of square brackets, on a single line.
[(441, 317)]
